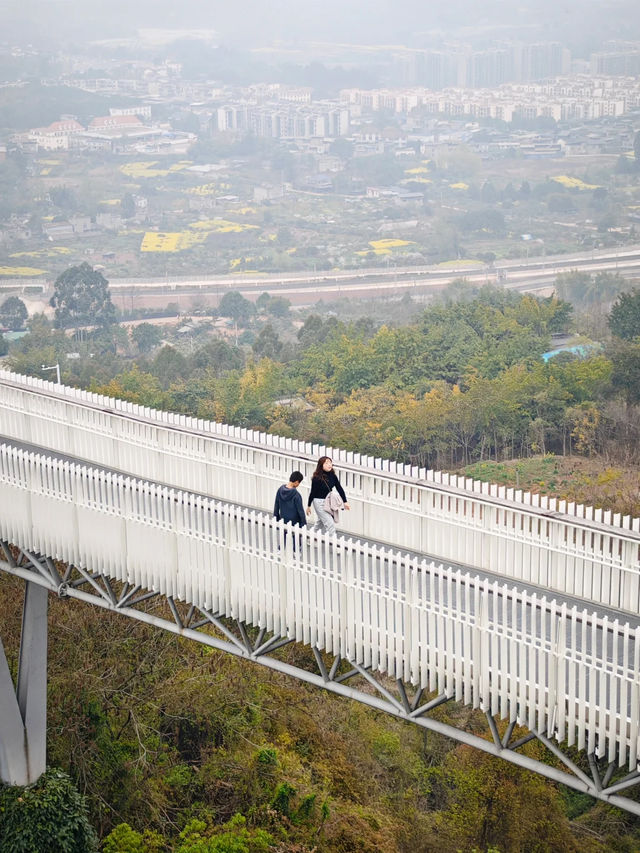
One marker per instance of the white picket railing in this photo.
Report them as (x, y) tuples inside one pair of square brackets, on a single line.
[(575, 550), (518, 655)]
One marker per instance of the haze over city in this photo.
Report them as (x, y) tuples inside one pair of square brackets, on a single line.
[(251, 23)]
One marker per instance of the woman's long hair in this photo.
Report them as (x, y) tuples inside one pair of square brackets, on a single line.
[(320, 473)]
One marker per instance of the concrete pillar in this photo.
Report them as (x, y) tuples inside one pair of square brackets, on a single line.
[(23, 710)]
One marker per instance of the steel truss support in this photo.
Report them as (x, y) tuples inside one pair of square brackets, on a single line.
[(23, 709), (338, 675)]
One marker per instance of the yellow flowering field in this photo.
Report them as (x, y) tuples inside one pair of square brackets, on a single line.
[(202, 189), (49, 252), (142, 169), (221, 226), (417, 170), (207, 189), (145, 169), (389, 243), (416, 180), (384, 247), (459, 186), (191, 238), (173, 241), (154, 241), (110, 201), (573, 183), (21, 271)]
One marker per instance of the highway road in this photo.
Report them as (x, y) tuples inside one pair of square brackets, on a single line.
[(307, 287)]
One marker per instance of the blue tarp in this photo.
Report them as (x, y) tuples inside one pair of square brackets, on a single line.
[(583, 350)]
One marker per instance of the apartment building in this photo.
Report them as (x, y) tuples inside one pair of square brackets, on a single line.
[(562, 98), (459, 65), (620, 58), (285, 121)]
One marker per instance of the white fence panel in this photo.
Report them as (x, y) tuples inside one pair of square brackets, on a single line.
[(459, 520), (492, 646)]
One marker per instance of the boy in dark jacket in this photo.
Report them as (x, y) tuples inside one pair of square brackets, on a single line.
[(288, 505)]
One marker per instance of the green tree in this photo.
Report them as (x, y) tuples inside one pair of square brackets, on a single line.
[(624, 319), (625, 376), (573, 286), (128, 206), (231, 837), (13, 313), (234, 305), (278, 306), (606, 286), (146, 336), (262, 302), (135, 386), (459, 290), (169, 366), (108, 339), (81, 298), (218, 357), (315, 330), (488, 193), (486, 805), (64, 198), (49, 815), (124, 839), (267, 344)]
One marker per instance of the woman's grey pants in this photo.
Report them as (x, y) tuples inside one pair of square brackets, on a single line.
[(325, 520)]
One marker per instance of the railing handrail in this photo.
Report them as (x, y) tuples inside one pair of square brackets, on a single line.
[(628, 527)]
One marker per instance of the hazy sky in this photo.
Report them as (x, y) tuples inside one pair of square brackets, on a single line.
[(256, 22)]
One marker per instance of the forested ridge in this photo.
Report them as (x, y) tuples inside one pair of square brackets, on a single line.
[(177, 747)]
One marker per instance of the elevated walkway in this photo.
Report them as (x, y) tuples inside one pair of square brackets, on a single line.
[(415, 634)]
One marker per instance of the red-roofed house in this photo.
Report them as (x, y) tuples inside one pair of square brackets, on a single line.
[(56, 136)]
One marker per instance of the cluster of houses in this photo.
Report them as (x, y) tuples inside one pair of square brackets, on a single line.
[(123, 131)]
